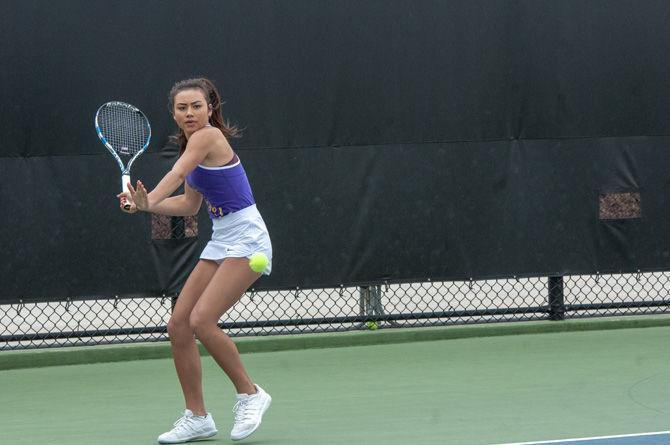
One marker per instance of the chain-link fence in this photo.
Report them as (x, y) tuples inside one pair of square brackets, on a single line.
[(377, 306)]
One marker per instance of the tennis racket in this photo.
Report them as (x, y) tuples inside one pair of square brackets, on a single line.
[(126, 133)]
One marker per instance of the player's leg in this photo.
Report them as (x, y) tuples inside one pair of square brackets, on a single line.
[(225, 289), (196, 423), (184, 349)]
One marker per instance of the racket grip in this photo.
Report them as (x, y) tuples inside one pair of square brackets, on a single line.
[(125, 179)]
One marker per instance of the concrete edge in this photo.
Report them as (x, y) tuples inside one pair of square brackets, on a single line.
[(147, 351)]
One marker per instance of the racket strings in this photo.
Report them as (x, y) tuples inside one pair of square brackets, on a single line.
[(125, 129)]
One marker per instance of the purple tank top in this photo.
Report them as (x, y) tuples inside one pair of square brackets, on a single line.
[(225, 189)]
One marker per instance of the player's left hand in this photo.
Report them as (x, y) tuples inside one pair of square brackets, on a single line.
[(139, 196)]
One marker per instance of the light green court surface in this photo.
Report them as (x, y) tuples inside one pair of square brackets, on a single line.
[(479, 390)]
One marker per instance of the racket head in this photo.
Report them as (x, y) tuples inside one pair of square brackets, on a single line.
[(124, 130)]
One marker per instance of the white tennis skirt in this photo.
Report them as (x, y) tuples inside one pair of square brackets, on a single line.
[(239, 235)]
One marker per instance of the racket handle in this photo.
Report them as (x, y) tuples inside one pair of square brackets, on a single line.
[(125, 179)]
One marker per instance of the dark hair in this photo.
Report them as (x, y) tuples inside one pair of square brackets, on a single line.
[(213, 98)]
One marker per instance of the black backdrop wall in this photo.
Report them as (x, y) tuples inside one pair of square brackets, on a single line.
[(385, 140)]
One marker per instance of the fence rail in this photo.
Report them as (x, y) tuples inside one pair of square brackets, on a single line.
[(345, 308)]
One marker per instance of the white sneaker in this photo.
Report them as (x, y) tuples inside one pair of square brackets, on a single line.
[(249, 411), (188, 428)]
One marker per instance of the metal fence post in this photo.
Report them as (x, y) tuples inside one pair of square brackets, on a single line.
[(556, 298), (370, 301)]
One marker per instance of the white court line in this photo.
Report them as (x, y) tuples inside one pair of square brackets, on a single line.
[(588, 438)]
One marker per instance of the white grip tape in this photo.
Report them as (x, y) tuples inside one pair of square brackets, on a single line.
[(125, 179)]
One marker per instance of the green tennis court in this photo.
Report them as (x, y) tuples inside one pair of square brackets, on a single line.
[(478, 389)]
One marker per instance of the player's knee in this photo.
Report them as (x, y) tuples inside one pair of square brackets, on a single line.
[(200, 324), (178, 327)]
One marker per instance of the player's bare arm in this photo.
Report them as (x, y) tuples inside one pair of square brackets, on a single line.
[(186, 204), (196, 151)]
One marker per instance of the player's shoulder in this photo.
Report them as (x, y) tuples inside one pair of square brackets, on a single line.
[(207, 136), (207, 132)]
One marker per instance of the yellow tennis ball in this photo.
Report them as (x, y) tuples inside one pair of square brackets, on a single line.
[(258, 262), (372, 325)]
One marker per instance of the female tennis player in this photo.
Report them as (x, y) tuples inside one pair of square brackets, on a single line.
[(209, 169)]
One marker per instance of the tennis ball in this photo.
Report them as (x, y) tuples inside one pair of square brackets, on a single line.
[(372, 325), (258, 262)]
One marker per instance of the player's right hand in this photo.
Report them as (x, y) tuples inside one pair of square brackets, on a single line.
[(123, 199)]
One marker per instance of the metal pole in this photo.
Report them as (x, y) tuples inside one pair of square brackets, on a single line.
[(556, 298)]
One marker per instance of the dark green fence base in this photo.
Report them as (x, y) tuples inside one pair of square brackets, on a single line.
[(147, 351)]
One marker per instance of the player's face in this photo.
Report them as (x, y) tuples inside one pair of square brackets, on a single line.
[(191, 110)]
